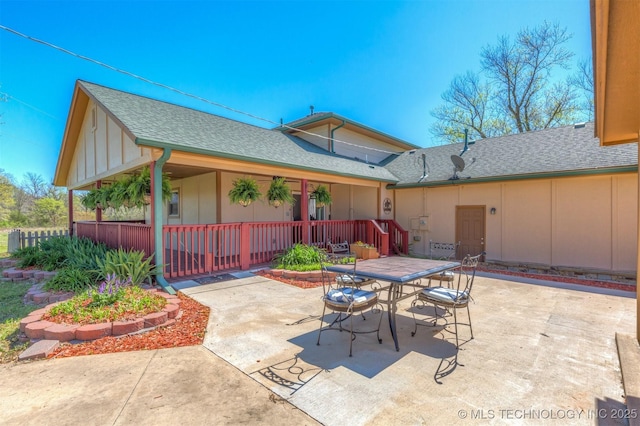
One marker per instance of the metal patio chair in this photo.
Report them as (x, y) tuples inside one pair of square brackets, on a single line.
[(450, 298), (345, 298), (442, 251)]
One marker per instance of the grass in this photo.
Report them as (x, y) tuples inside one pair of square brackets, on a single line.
[(4, 243), (12, 310)]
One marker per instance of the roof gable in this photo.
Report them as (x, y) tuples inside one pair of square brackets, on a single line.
[(160, 124)]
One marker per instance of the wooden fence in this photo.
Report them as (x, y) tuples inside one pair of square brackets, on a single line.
[(19, 239)]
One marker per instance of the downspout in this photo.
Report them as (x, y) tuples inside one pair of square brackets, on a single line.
[(331, 148), (157, 222)]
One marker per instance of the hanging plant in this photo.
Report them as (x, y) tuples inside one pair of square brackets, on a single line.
[(139, 188), (322, 196), (279, 193), (102, 197), (244, 191), (90, 200), (118, 194)]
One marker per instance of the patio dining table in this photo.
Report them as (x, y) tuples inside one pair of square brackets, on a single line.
[(404, 275)]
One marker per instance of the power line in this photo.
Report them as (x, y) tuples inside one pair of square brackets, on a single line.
[(181, 92), (8, 96)]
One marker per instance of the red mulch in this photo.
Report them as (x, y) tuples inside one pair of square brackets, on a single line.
[(563, 279), (291, 281), (545, 277), (188, 330)]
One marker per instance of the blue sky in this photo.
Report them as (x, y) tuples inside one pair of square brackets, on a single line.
[(381, 63)]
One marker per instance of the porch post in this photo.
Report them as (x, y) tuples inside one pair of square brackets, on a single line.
[(99, 210), (70, 195), (152, 210), (304, 210)]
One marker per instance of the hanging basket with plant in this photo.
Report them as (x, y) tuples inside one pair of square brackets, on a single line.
[(279, 193), (322, 196), (139, 188), (244, 191), (90, 200)]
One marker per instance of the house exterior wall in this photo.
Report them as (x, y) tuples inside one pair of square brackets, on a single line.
[(578, 222), (102, 149), (374, 156), (197, 201), (321, 141)]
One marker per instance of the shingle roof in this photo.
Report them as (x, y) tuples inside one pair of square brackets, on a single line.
[(560, 150), (157, 123)]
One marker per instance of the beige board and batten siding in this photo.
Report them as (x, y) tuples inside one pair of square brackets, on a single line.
[(584, 222), (197, 200), (103, 149)]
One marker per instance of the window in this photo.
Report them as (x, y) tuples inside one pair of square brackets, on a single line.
[(94, 119), (174, 203)]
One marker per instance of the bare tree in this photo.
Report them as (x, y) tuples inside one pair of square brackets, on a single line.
[(583, 80), (519, 93), (34, 185)]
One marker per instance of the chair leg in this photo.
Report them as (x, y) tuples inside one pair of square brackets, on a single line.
[(321, 320), (455, 325), (469, 316), (351, 336)]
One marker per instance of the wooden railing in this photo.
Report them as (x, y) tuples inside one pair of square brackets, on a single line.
[(398, 237), (203, 249), (127, 235)]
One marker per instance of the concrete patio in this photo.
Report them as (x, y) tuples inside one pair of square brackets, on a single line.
[(540, 353)]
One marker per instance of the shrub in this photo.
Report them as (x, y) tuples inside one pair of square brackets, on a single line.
[(126, 264), (71, 279), (300, 255), (28, 256)]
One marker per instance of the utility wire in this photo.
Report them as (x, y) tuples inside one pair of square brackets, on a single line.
[(190, 95), (8, 96)]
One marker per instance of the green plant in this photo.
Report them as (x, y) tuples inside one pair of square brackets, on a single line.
[(279, 193), (111, 290), (300, 255), (139, 188), (131, 302), (71, 279), (126, 264), (322, 195), (28, 256), (118, 194), (90, 200), (244, 191)]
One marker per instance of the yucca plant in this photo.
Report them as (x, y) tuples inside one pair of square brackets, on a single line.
[(126, 264)]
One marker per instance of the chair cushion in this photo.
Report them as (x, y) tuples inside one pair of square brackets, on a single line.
[(442, 276), (346, 279), (347, 295), (445, 295)]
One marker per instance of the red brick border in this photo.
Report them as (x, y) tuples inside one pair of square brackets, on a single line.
[(35, 328)]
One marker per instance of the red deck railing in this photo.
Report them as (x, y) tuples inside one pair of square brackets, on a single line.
[(127, 235), (398, 237), (202, 249)]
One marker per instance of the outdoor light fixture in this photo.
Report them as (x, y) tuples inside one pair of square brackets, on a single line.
[(493, 210)]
